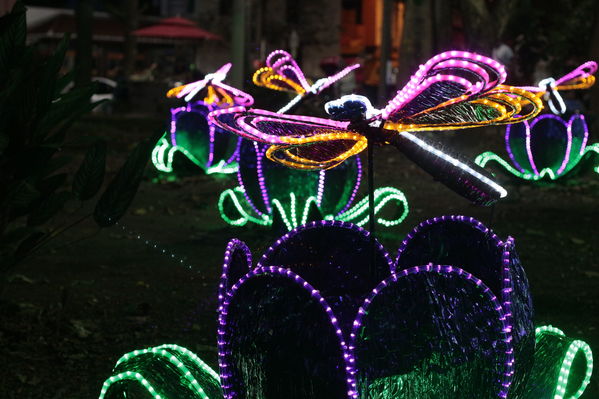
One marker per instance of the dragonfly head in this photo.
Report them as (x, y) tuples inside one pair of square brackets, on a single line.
[(351, 108)]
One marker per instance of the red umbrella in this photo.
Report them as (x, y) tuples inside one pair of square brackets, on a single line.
[(176, 28)]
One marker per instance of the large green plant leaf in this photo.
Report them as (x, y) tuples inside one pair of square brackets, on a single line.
[(119, 194), (21, 196), (51, 184), (51, 205), (89, 177), (12, 35), (62, 113), (46, 90)]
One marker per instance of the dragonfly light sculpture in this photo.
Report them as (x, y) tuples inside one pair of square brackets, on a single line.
[(204, 144), (550, 145), (580, 78), (282, 73), (268, 192), (453, 90)]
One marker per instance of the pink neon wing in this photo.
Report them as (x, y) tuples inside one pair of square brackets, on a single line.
[(269, 127), (336, 77), (239, 97), (192, 87), (283, 64), (582, 72), (447, 76), (296, 141)]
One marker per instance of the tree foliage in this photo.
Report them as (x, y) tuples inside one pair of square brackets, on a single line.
[(36, 113)]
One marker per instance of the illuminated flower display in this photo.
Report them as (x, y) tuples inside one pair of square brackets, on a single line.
[(192, 135), (449, 318), (549, 146), (452, 90), (268, 190)]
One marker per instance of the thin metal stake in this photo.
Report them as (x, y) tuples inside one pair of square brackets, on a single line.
[(371, 221)]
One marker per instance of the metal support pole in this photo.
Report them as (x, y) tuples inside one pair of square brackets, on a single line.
[(371, 221)]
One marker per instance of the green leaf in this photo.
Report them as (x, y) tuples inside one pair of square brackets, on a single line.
[(48, 208), (63, 112), (22, 196), (89, 177), (46, 92), (27, 245), (56, 163), (50, 184), (119, 194), (13, 30), (4, 140)]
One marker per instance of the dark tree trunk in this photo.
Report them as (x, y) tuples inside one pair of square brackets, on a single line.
[(131, 23), (594, 55), (417, 39), (486, 22), (83, 43)]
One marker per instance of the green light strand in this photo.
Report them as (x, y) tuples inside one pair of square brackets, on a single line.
[(236, 196), (564, 373), (382, 196), (358, 214), (176, 348), (164, 163), (483, 159), (129, 375), (168, 354)]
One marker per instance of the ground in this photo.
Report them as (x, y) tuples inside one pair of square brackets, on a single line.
[(73, 309)]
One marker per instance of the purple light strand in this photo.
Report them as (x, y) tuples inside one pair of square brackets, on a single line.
[(356, 186), (261, 179), (261, 183), (508, 147), (223, 286), (174, 112), (585, 138), (453, 218), (506, 298), (441, 269), (529, 151), (225, 374)]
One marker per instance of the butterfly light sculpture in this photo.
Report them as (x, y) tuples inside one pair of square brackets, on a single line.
[(203, 143), (549, 146), (453, 90)]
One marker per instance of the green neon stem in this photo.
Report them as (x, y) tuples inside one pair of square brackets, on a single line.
[(483, 159), (163, 155), (173, 358), (294, 213)]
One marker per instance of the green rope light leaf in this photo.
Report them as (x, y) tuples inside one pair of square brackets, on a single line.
[(163, 156), (164, 372), (235, 210), (562, 367)]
